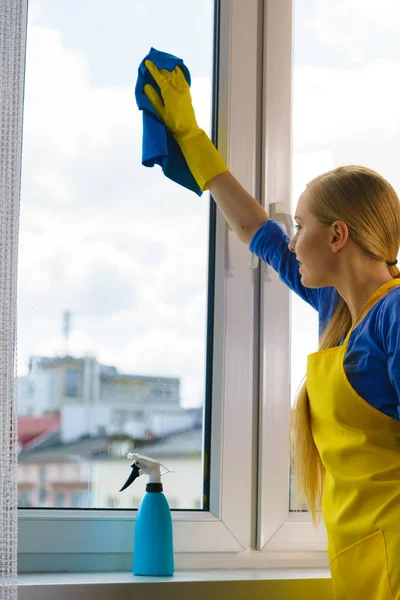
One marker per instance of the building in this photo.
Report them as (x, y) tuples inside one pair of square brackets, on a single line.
[(90, 472), (78, 419), (96, 399)]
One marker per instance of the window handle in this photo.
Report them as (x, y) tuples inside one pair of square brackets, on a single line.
[(253, 264), (276, 211)]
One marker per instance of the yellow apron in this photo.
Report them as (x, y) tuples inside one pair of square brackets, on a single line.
[(360, 449)]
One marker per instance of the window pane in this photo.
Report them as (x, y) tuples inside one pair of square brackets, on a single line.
[(113, 261), (345, 110)]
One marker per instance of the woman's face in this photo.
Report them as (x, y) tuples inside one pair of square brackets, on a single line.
[(312, 246)]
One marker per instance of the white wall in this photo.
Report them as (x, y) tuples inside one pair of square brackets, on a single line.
[(78, 420)]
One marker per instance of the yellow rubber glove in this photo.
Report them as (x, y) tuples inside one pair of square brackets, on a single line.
[(176, 111)]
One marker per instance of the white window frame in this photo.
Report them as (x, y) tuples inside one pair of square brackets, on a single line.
[(249, 493), (278, 529), (57, 540)]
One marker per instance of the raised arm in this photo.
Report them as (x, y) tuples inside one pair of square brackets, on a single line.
[(242, 212)]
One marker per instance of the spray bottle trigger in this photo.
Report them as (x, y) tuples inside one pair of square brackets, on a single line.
[(134, 474)]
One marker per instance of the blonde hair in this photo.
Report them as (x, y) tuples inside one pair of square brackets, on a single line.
[(370, 207)]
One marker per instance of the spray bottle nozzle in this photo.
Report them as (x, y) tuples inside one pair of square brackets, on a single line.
[(134, 474), (143, 464)]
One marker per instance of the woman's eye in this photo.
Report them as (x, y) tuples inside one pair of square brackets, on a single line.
[(297, 227)]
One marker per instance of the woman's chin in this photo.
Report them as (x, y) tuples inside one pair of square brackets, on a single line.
[(308, 283)]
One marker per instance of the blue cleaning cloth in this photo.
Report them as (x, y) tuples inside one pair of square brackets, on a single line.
[(158, 144)]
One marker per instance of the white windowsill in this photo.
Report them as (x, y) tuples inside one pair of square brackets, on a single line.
[(289, 583), (54, 579)]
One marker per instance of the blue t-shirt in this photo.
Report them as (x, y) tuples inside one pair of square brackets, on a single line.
[(372, 360)]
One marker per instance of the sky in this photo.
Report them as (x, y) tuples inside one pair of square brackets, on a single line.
[(122, 247)]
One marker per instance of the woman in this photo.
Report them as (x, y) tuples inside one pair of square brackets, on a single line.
[(346, 423)]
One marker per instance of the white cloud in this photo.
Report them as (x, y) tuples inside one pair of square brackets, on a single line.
[(335, 105), (62, 112), (350, 25)]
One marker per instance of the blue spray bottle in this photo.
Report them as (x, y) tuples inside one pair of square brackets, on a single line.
[(153, 551)]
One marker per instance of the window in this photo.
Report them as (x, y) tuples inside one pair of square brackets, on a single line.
[(124, 367), (80, 499), (25, 499), (42, 497), (258, 331), (60, 499), (342, 111), (42, 476), (71, 385), (186, 373)]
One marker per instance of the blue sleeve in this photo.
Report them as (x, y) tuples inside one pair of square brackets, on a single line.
[(390, 324)]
